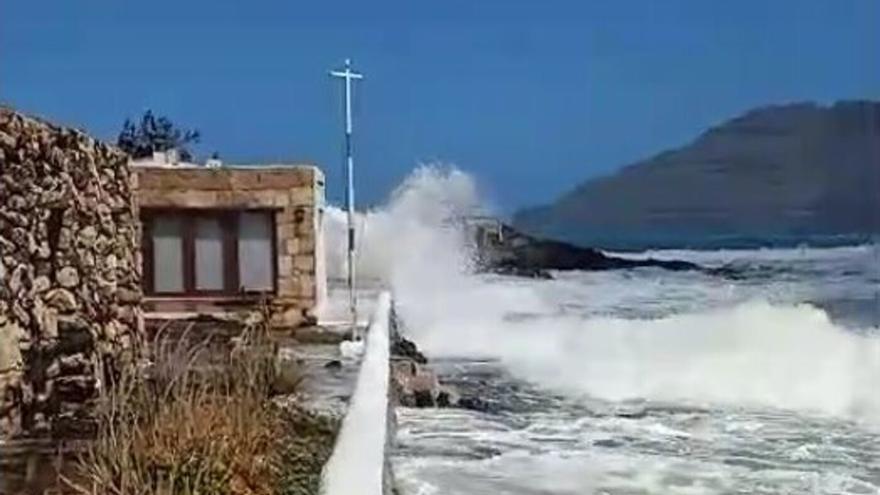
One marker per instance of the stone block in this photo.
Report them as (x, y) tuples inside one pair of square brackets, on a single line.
[(49, 323), (63, 300), (10, 351), (302, 196), (74, 336), (306, 287), (285, 265), (304, 263), (289, 316), (285, 230), (264, 197), (41, 284), (291, 246), (76, 364), (306, 245), (288, 286), (68, 277)]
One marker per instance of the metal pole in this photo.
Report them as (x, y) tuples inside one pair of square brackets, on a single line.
[(348, 76)]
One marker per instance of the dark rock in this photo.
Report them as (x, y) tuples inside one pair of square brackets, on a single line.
[(76, 389), (475, 404), (631, 414), (402, 347), (74, 336), (608, 442), (444, 399), (520, 271), (423, 398), (413, 385), (523, 255)]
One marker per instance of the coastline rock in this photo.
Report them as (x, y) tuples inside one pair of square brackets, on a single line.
[(518, 271), (416, 386), (413, 384), (507, 251), (475, 404), (404, 348)]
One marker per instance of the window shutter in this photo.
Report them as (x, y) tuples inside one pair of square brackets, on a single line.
[(167, 254), (255, 251), (208, 254)]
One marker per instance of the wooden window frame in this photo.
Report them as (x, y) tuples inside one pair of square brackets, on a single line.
[(228, 219)]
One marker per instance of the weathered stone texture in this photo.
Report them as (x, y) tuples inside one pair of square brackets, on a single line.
[(295, 195), (69, 273)]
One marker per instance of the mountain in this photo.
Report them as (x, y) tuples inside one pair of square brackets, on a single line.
[(776, 175)]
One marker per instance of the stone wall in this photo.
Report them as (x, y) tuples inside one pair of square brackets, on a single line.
[(294, 193), (69, 275)]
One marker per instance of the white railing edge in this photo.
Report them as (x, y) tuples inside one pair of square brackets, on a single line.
[(357, 463)]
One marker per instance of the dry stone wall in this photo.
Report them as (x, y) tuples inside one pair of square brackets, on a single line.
[(69, 275)]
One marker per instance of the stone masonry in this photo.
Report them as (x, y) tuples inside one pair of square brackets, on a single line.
[(294, 194), (69, 275)]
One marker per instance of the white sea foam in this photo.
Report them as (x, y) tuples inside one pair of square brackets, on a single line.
[(411, 236), (746, 351)]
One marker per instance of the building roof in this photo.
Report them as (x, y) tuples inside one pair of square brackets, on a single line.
[(166, 160)]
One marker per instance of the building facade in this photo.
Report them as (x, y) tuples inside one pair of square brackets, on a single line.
[(218, 240), (91, 245)]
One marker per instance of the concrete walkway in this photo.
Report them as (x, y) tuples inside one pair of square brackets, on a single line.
[(328, 379)]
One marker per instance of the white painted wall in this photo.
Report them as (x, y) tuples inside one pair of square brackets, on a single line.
[(320, 250), (357, 464)]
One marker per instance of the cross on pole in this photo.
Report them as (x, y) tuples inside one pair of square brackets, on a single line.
[(348, 75)]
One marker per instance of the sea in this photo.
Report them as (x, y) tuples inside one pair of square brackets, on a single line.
[(629, 382)]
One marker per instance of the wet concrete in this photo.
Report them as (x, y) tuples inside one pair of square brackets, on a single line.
[(327, 379)]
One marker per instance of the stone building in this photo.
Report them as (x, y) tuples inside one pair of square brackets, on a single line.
[(220, 239), (70, 283), (91, 246)]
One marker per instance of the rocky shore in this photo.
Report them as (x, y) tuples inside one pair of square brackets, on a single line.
[(507, 251), (415, 384), (510, 252)]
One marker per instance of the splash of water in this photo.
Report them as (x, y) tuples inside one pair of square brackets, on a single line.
[(413, 234), (750, 354)]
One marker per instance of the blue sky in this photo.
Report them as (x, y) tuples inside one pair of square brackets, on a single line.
[(532, 97)]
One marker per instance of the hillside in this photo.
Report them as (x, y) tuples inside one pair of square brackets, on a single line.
[(775, 175)]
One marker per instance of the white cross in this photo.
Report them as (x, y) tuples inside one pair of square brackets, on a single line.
[(349, 76)]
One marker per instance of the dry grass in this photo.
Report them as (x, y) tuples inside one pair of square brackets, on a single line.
[(190, 425)]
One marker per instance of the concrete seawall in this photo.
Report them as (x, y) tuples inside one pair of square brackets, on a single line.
[(358, 464)]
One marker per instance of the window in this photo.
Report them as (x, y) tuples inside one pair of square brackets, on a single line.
[(205, 252), (255, 251), (167, 254), (209, 254)]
